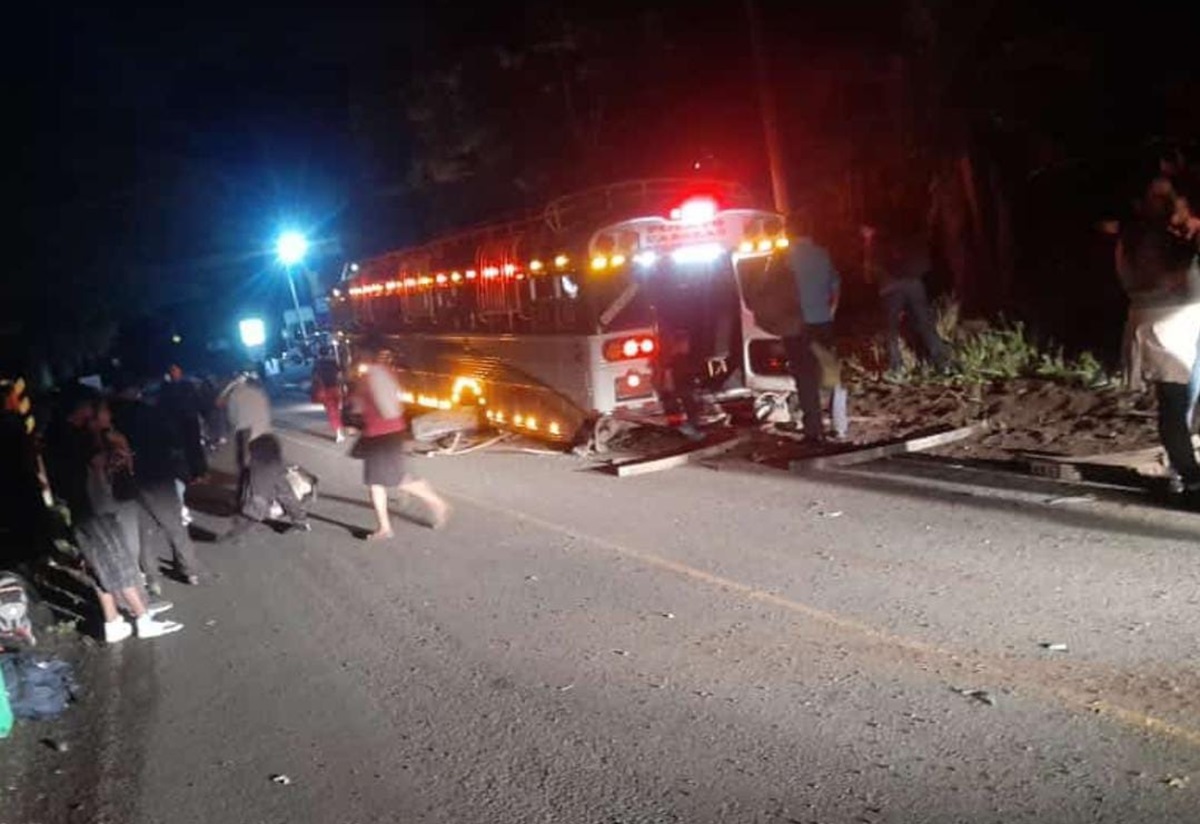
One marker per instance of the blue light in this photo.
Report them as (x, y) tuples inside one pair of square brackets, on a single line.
[(253, 331), (291, 248)]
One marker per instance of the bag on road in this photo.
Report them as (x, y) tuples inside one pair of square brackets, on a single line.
[(37, 687)]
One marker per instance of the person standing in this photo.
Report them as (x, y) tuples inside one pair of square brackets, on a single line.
[(248, 410), (327, 391), (381, 444), (899, 261), (156, 465), (811, 352), (79, 471), (180, 402), (1158, 263)]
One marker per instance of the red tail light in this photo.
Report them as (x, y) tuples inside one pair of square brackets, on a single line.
[(619, 349)]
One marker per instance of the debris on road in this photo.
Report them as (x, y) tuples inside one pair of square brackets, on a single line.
[(281, 780), (877, 451), (982, 696), (1071, 499), (708, 448), (531, 577), (1053, 646), (620, 652), (566, 687), (57, 745), (668, 615), (1176, 782), (837, 513)]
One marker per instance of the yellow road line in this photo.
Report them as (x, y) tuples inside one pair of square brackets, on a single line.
[(1072, 698)]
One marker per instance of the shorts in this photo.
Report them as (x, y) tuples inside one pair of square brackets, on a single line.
[(384, 460), (113, 564)]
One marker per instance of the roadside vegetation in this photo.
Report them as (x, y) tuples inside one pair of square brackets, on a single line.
[(982, 352)]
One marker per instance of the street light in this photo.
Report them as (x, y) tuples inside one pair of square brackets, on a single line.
[(291, 248)]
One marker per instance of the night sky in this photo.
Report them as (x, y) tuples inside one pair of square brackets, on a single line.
[(160, 151)]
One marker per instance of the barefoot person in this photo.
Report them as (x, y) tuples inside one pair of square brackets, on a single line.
[(381, 445)]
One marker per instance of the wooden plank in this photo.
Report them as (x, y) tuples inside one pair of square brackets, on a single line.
[(677, 457), (887, 450)]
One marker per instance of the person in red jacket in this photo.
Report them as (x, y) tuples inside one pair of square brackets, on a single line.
[(381, 444), (327, 391)]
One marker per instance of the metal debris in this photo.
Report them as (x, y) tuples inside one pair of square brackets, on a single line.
[(982, 696), (1071, 499)]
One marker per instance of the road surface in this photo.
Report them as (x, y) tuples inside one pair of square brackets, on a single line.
[(739, 645)]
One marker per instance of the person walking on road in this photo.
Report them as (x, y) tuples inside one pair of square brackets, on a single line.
[(381, 444), (327, 391)]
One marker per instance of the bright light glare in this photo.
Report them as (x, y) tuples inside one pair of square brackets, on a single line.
[(698, 253), (253, 331), (645, 259), (698, 210), (291, 248)]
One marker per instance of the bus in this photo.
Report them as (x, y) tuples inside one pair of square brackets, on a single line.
[(552, 321)]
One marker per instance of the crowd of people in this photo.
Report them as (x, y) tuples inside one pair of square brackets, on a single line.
[(119, 465)]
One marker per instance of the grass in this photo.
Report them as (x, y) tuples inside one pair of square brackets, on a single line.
[(982, 352)]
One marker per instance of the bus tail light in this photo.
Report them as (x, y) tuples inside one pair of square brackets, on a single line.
[(634, 385), (619, 349)]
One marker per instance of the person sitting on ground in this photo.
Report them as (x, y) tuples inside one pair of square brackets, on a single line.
[(79, 470), (266, 485)]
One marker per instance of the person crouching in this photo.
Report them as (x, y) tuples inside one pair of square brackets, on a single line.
[(265, 484)]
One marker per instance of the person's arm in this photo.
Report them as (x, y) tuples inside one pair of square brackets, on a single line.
[(835, 288)]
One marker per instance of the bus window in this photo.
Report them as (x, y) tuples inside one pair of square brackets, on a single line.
[(615, 299)]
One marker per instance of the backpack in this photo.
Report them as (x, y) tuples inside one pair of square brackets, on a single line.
[(37, 688), (16, 629)]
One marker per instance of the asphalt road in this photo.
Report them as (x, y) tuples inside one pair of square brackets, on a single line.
[(738, 645)]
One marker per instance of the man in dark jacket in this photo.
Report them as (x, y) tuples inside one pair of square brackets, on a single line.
[(158, 461)]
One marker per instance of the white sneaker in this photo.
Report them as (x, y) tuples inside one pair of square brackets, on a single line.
[(150, 627), (158, 607), (186, 516), (117, 631), (341, 436)]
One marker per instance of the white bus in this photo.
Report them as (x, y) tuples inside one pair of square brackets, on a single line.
[(549, 322)]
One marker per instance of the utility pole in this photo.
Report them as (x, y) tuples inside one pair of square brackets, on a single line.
[(766, 104)]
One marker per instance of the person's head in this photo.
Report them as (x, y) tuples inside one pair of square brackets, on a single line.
[(79, 407), (175, 372)]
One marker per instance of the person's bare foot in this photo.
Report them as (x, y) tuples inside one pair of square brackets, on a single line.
[(440, 513), (380, 535)]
